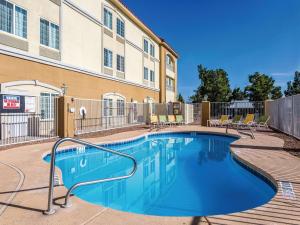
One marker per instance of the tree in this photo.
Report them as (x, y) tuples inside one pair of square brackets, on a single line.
[(214, 84), (293, 88), (180, 98), (237, 94), (261, 85)]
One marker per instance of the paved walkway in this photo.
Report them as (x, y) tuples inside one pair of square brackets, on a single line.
[(23, 170)]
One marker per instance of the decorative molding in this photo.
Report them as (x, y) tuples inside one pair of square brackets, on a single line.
[(49, 53), (10, 40), (57, 2), (24, 55), (17, 83)]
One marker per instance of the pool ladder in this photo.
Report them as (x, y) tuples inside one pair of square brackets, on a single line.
[(50, 210)]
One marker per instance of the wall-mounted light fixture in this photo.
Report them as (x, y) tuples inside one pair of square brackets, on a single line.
[(64, 89)]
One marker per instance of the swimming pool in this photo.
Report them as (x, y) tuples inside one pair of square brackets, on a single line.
[(179, 174)]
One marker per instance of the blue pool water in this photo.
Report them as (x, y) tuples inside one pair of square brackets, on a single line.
[(179, 174)]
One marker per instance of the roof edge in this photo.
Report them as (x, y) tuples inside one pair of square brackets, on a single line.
[(124, 9)]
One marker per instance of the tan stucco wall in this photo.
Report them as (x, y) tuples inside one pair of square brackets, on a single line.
[(79, 84), (167, 96)]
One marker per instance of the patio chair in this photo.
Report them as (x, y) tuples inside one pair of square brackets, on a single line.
[(153, 121), (179, 119), (247, 122), (224, 119), (163, 120), (172, 120), (262, 122), (237, 119)]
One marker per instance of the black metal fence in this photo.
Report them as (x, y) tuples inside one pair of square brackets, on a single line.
[(97, 115), (236, 108), (24, 127)]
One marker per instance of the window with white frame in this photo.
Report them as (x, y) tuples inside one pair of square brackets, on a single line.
[(146, 71), (120, 107), (152, 76), (13, 19), (152, 50), (120, 63), (169, 62), (47, 105), (146, 46), (108, 107), (108, 18), (108, 58), (170, 84), (120, 28), (49, 34)]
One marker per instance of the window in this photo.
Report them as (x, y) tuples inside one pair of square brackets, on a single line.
[(47, 105), (120, 107), (145, 73), (13, 19), (108, 107), (170, 84), (120, 28), (49, 34), (152, 50), (169, 62), (108, 58), (146, 46), (152, 76), (120, 63), (107, 18)]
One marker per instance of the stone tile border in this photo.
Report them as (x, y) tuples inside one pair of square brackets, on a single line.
[(276, 165)]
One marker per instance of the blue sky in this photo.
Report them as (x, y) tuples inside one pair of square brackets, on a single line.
[(240, 36)]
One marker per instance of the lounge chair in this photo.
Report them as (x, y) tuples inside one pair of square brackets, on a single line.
[(247, 123), (262, 122), (236, 119), (163, 120), (153, 121), (179, 119), (224, 119), (172, 120)]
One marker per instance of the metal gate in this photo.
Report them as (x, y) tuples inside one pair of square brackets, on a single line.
[(18, 128), (98, 115), (197, 115)]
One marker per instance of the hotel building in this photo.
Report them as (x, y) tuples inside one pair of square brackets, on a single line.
[(93, 49)]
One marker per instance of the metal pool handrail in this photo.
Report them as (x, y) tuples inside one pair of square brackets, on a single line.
[(50, 209)]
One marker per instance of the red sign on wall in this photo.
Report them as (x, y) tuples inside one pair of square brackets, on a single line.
[(11, 102)]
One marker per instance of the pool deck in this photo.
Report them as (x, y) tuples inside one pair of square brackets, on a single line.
[(24, 180)]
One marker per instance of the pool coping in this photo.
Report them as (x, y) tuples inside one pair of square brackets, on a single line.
[(280, 165)]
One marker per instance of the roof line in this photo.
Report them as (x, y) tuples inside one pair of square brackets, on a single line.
[(122, 7)]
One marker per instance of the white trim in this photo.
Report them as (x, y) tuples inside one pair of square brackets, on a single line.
[(49, 30), (13, 22), (50, 48), (29, 82), (107, 95), (24, 55)]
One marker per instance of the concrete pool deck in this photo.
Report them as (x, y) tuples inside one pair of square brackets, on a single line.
[(24, 179)]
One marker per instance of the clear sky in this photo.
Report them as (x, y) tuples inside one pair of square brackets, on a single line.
[(240, 36)]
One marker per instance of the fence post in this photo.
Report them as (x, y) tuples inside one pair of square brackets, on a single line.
[(267, 106), (205, 112), (66, 116)]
